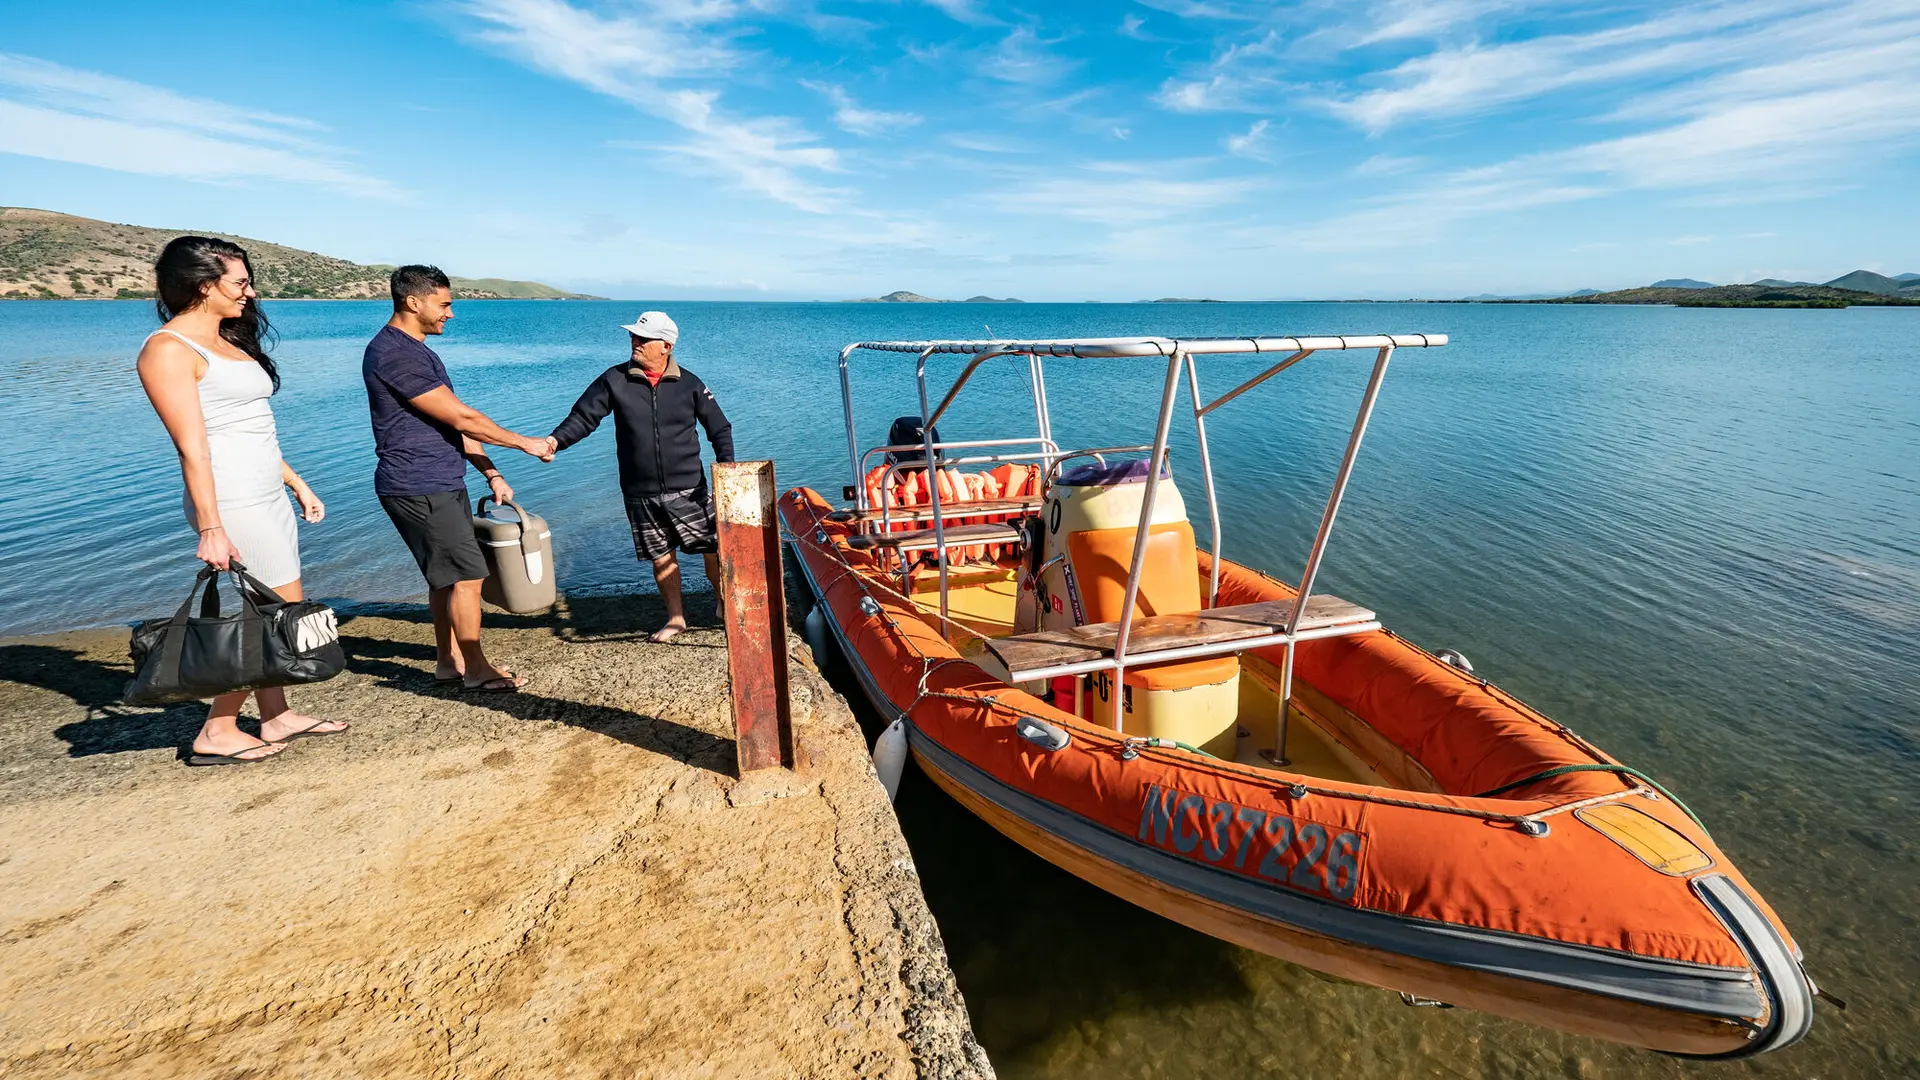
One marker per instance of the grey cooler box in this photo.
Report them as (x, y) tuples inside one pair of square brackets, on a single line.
[(519, 551)]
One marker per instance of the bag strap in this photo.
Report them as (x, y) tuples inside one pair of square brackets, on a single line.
[(254, 585), (172, 640), (251, 591)]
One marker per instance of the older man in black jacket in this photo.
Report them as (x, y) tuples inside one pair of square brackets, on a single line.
[(655, 404)]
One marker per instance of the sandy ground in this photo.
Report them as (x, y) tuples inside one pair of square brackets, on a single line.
[(567, 881)]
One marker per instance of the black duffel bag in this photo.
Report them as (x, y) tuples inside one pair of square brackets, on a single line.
[(268, 642)]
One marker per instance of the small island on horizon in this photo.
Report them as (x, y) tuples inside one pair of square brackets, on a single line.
[(902, 296), (1861, 288)]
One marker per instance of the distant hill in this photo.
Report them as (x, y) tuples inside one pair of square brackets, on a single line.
[(1797, 296), (51, 256), (1774, 282), (991, 300), (1185, 300), (1868, 281), (1681, 283), (1906, 277)]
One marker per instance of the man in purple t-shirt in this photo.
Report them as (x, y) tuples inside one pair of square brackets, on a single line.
[(425, 437)]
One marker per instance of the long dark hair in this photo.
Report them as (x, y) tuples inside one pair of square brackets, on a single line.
[(185, 267)]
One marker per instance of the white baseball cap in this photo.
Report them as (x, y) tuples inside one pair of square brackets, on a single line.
[(654, 324)]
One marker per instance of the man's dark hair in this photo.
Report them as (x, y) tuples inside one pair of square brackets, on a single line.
[(415, 280)]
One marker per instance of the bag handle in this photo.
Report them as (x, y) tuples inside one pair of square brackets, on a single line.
[(480, 510), (251, 590), (206, 574)]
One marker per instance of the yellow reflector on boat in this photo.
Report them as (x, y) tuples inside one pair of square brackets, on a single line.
[(1647, 838)]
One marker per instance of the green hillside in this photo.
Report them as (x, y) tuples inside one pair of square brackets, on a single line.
[(50, 256), (1868, 281), (1795, 296)]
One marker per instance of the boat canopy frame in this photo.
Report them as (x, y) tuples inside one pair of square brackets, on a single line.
[(1180, 354)]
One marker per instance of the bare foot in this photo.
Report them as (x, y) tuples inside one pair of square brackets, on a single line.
[(668, 632), (238, 745), (292, 725), (446, 671)]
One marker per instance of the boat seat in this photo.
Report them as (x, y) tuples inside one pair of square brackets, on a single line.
[(1168, 586), (1026, 653), (926, 539)]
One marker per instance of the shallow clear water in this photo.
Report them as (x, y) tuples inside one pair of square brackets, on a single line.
[(1689, 534)]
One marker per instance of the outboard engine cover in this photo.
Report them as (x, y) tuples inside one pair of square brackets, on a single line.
[(908, 429)]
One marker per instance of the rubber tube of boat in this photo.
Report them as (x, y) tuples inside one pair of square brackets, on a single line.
[(819, 638), (890, 756)]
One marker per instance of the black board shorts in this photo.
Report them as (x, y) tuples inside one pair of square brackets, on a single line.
[(438, 529), (672, 520)]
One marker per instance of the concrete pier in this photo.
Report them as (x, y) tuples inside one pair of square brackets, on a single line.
[(565, 881)]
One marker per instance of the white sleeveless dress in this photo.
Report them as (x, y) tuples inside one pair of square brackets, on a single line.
[(245, 448)]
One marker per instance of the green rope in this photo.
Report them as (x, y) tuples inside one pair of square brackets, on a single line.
[(1161, 744), (1625, 770)]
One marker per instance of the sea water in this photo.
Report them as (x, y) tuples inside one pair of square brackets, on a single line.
[(1688, 534)]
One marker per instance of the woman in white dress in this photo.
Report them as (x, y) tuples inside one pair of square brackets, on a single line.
[(209, 377)]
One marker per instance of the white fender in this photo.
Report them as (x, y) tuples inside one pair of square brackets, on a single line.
[(890, 756)]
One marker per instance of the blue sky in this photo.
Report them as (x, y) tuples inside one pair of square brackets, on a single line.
[(803, 149)]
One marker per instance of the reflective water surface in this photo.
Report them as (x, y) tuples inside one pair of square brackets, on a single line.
[(1689, 534)]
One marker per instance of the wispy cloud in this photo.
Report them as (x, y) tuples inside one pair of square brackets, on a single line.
[(986, 143), (634, 56), (1792, 119), (1399, 20), (1022, 57), (1386, 165), (1238, 79), (1118, 194), (848, 114), (66, 114), (1252, 142), (970, 12), (1474, 78)]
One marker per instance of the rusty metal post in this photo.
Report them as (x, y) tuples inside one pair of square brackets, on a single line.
[(752, 592)]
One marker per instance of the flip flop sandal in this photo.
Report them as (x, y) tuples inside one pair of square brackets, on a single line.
[(194, 757), (511, 682), (312, 734)]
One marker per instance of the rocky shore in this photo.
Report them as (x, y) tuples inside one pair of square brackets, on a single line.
[(565, 881)]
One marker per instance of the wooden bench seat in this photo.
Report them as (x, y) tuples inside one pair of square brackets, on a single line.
[(949, 511), (1156, 633), (958, 536)]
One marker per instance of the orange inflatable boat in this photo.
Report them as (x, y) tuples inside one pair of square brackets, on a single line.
[(1292, 777)]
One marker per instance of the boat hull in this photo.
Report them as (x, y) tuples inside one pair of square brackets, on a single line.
[(1747, 997)]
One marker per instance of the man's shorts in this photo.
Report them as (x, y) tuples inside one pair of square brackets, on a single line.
[(671, 520), (438, 529)]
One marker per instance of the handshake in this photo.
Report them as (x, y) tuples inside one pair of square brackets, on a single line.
[(543, 448)]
